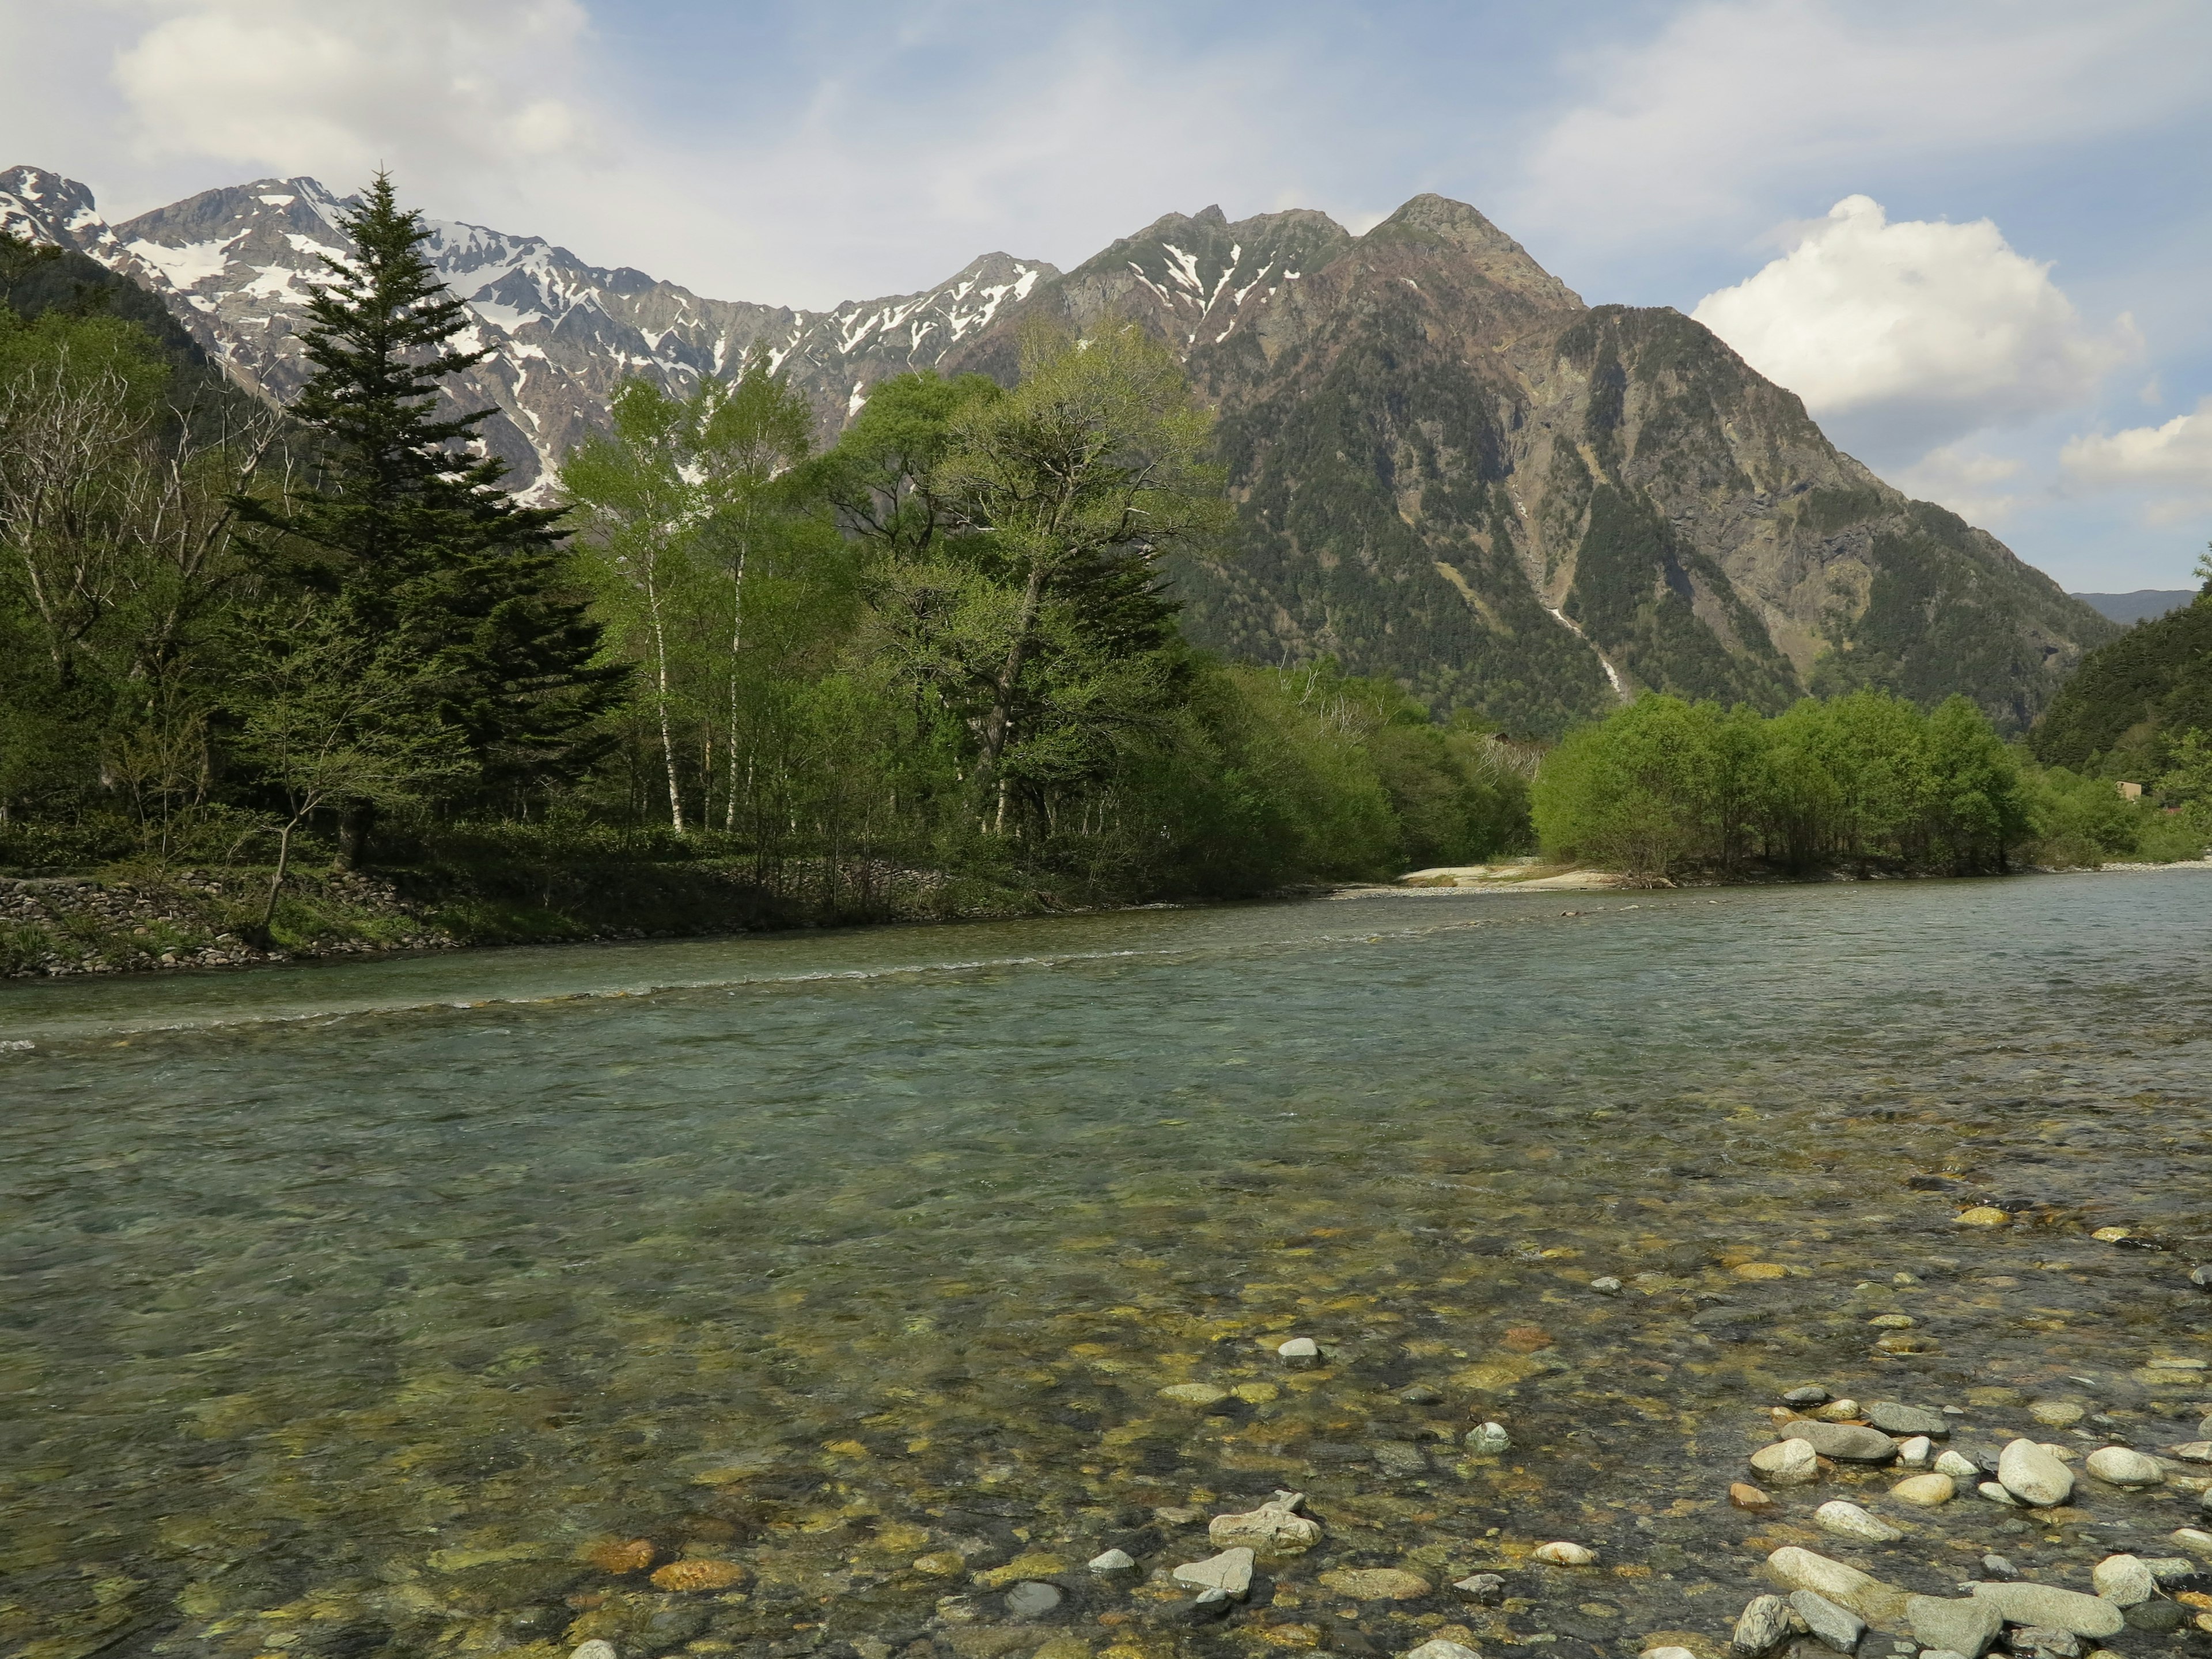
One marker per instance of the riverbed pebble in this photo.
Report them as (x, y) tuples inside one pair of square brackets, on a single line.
[(1957, 1465), (1833, 1626), (2033, 1475), (1113, 1561), (2123, 1465), (1275, 1526), (1810, 1394), (2193, 1539), (1300, 1351), (1956, 1624), (1563, 1554), (1997, 1568), (1376, 1584), (1441, 1647), (1488, 1439), (2058, 1413), (1893, 1417), (2124, 1579), (1485, 1589), (1763, 1625), (1195, 1393), (1667, 1653), (2046, 1643), (1983, 1215), (1848, 1519), (1745, 1496), (596, 1648), (1230, 1572), (1846, 1442), (2193, 1451), (1838, 1411), (1916, 1452), (1032, 1599), (2045, 1604), (1996, 1494), (1867, 1596), (1926, 1491), (1608, 1285)]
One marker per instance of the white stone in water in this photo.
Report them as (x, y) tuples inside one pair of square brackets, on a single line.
[(1195, 1393), (2193, 1539), (1957, 1465), (2034, 1476), (2124, 1579), (1667, 1653), (1851, 1522), (2165, 1568), (1563, 1554), (1762, 1626), (1953, 1623), (1032, 1599), (1608, 1285), (1926, 1491), (1230, 1572), (1113, 1561), (1787, 1463), (2121, 1466), (594, 1649), (1275, 1526), (1996, 1494), (1300, 1347), (1915, 1453), (2061, 1609), (1847, 1587), (1440, 1648), (1835, 1626), (1838, 1411), (1488, 1440)]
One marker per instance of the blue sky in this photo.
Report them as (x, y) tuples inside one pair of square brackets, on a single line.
[(2009, 313)]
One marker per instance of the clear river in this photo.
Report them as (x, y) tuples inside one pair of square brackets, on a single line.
[(806, 1294)]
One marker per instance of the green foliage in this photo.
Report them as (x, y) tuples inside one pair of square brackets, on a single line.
[(1666, 787), (2133, 701)]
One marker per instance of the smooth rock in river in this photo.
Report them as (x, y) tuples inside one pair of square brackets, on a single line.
[(1439, 1648), (1838, 1411), (1926, 1491), (1958, 1466), (1488, 1439), (1847, 1587), (1835, 1627), (1032, 1599), (2122, 1466), (1851, 1522), (1376, 1584), (2058, 1413), (1957, 1624), (1763, 1626), (1894, 1419), (2036, 1476), (1608, 1285), (595, 1649), (1113, 1561), (1745, 1496), (1667, 1653), (2123, 1579), (2158, 1618), (1230, 1572), (1485, 1589), (1996, 1567), (2193, 1540), (1996, 1494), (1789, 1462), (2042, 1604), (1915, 1453), (2167, 1568), (1805, 1396), (1195, 1393), (1300, 1351), (2193, 1451), (1845, 1442), (1275, 1527), (1563, 1554), (2046, 1643)]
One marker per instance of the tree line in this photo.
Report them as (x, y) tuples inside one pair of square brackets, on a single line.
[(943, 644)]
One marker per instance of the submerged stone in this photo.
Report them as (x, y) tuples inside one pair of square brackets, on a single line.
[(2034, 1474)]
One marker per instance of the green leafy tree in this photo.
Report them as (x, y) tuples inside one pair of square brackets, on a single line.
[(408, 527)]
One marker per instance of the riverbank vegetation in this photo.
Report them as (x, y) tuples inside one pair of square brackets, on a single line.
[(935, 670)]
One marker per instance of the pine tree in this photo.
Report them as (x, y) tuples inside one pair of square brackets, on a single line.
[(411, 532)]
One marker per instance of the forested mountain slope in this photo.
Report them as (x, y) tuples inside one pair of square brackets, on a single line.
[(2133, 698), (1449, 470)]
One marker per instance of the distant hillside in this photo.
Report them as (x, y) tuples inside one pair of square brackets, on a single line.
[(2133, 698), (2142, 606)]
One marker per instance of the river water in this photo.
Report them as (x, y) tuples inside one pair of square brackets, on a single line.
[(404, 1307)]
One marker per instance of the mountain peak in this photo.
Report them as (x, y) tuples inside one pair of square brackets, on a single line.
[(1436, 221)]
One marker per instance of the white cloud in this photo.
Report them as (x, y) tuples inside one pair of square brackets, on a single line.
[(340, 87), (1921, 331), (1733, 104), (2171, 464), (1968, 483)]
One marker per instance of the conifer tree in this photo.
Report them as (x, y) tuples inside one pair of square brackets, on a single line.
[(409, 530)]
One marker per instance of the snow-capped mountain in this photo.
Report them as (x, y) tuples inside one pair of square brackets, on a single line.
[(235, 265)]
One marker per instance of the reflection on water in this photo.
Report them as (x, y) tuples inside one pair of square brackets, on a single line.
[(384, 1308)]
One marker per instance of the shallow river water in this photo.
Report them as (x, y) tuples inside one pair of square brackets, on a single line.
[(432, 1306)]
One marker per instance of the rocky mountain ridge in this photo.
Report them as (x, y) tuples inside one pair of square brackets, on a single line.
[(1449, 470)]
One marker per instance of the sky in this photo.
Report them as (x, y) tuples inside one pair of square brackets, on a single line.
[(1975, 235)]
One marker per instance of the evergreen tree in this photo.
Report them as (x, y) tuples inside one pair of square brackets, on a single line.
[(410, 533)]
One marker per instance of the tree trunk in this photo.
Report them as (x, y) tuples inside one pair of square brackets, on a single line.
[(736, 644), (660, 705), (261, 940), (1002, 698)]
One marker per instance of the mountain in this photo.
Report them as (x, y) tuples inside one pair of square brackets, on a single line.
[(2143, 605), (2135, 696), (1452, 471), (234, 265), (1449, 471)]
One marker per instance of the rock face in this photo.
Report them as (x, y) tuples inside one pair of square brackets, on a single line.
[(2062, 1609), (2034, 1476), (1448, 468)]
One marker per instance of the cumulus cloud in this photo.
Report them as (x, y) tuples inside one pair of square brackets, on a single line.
[(338, 87), (1918, 332), (2171, 464), (1970, 484)]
